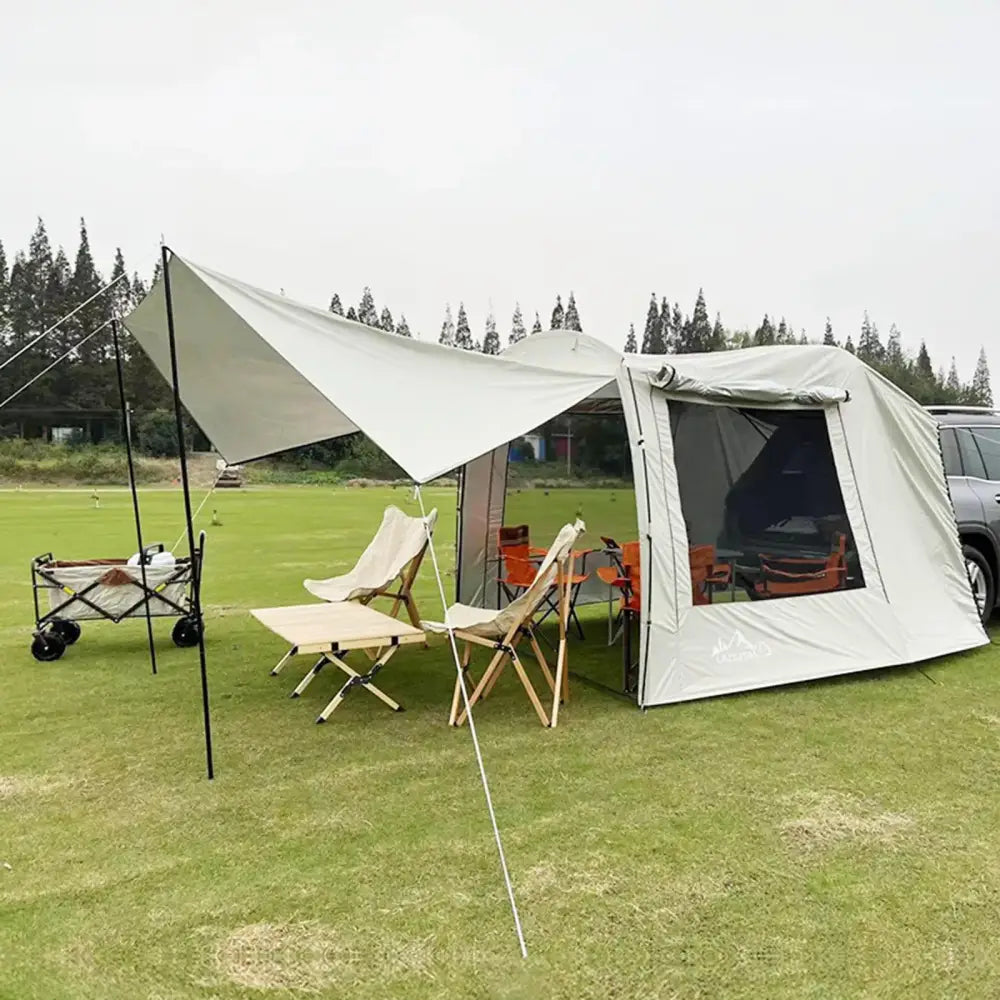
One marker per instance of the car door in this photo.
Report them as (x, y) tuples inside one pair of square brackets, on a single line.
[(964, 497), (986, 481)]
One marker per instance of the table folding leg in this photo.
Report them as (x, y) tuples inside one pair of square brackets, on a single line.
[(354, 679)]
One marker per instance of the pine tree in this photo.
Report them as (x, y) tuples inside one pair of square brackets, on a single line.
[(385, 321), (849, 345), (952, 383), (719, 340), (630, 344), (335, 307), (45, 311), (895, 361), (803, 339), (463, 333), (120, 296), (20, 305), (558, 315), (402, 327), (667, 333), (351, 314), (870, 348), (828, 338), (764, 335), (981, 390), (447, 328), (367, 313), (924, 370), (57, 299), (784, 334), (677, 322), (739, 339), (652, 338), (696, 335), (537, 328), (491, 342), (572, 319), (517, 330), (84, 283)]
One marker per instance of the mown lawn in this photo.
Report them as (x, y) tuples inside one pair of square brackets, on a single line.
[(828, 840)]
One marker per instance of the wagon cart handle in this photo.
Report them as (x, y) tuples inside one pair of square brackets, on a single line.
[(196, 569)]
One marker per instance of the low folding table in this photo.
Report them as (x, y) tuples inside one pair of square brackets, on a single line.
[(334, 630)]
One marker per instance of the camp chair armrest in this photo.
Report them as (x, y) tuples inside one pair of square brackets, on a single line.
[(796, 560), (813, 575)]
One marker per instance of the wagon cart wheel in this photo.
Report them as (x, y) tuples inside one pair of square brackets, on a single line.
[(186, 632), (67, 630), (47, 646)]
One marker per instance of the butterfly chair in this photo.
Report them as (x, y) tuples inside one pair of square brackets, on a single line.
[(784, 577), (502, 631), (519, 560), (386, 569), (706, 573)]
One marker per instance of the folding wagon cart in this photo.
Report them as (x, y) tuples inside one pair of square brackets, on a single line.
[(113, 590)]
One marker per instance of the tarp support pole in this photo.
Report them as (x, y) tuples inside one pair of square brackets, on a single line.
[(472, 730), (182, 452), (127, 433)]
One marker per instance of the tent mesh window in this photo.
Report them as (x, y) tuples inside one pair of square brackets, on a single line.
[(762, 504)]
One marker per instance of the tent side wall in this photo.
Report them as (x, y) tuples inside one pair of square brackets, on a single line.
[(915, 603), (480, 515), (666, 574)]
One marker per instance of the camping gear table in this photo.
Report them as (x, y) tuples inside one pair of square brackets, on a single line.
[(334, 630)]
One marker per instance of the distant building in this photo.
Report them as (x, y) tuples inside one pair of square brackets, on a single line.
[(60, 425)]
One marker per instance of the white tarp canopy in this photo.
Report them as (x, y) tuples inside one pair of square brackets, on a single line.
[(693, 429), (261, 373)]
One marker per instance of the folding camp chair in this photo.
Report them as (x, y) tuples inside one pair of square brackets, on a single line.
[(503, 630), (394, 554), (706, 573), (519, 559), (783, 577)]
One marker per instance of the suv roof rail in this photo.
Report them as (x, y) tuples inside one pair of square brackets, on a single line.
[(958, 408)]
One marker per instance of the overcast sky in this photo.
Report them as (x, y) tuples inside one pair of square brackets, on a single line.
[(802, 158)]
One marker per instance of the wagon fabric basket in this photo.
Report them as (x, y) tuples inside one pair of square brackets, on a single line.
[(112, 590)]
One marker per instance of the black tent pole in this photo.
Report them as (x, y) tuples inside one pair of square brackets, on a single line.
[(127, 433), (195, 568)]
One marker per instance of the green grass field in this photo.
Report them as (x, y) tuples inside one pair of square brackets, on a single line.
[(828, 840)]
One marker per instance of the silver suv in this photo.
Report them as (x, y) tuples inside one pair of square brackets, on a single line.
[(970, 447)]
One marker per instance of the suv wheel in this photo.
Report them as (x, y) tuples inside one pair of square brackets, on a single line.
[(981, 578)]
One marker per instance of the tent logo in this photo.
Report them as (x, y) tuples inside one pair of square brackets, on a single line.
[(738, 649)]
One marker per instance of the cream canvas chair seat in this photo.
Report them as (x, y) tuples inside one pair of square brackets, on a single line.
[(394, 554), (502, 631)]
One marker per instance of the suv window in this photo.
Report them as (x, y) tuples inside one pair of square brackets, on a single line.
[(972, 461), (949, 451), (988, 439)]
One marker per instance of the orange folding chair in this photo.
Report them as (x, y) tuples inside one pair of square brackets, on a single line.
[(706, 573), (784, 577), (626, 576), (519, 559)]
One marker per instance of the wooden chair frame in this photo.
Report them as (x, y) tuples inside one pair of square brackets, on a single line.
[(505, 649)]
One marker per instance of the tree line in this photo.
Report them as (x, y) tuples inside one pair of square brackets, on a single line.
[(40, 285), (668, 330)]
